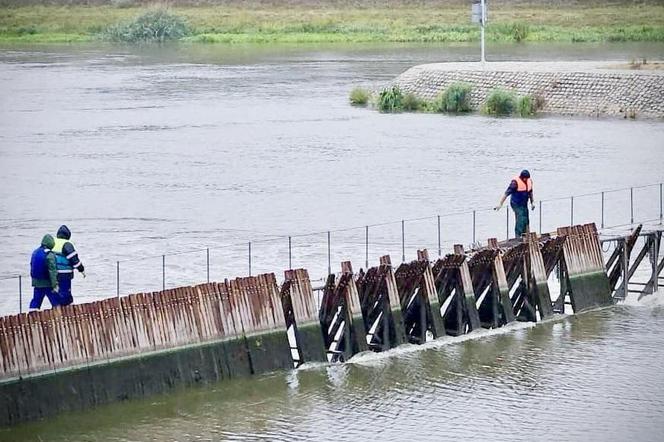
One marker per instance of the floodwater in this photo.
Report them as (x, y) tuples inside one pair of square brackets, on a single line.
[(176, 150), (593, 377), (170, 151)]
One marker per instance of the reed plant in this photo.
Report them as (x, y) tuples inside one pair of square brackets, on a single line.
[(390, 100)]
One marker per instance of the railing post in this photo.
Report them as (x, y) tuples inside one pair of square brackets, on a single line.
[(20, 295), (440, 249), (602, 223), (403, 241), (366, 247), (290, 256), (329, 255), (207, 264), (631, 205), (625, 268), (117, 278), (163, 272), (474, 217), (571, 211), (661, 216), (540, 217), (249, 258)]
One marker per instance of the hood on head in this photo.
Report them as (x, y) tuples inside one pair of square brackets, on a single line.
[(63, 232), (48, 241)]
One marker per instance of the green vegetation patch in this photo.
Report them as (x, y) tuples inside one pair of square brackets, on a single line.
[(390, 100), (156, 25), (359, 96), (455, 98), (500, 102), (268, 22)]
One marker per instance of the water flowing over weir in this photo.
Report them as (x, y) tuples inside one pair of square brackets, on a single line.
[(84, 355)]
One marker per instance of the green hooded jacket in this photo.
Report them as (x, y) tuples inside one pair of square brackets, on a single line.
[(52, 281)]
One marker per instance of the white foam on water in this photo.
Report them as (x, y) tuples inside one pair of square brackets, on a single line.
[(371, 358), (638, 300)]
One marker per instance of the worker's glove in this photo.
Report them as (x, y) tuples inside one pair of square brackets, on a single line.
[(56, 289), (532, 206), (497, 208), (83, 273)]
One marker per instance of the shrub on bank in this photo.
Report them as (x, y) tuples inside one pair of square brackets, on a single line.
[(157, 25), (359, 96), (455, 98), (525, 106), (390, 100), (500, 102), (412, 103)]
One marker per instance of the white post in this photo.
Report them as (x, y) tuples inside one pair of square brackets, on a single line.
[(482, 29)]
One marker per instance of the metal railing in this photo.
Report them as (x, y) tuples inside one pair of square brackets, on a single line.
[(369, 238)]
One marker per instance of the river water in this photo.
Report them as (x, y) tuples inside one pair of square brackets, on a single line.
[(593, 377), (174, 150)]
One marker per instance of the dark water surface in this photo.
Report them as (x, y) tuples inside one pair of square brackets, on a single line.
[(165, 150), (594, 377)]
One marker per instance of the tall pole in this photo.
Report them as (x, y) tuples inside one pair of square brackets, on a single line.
[(507, 223), (482, 29), (474, 226), (571, 211)]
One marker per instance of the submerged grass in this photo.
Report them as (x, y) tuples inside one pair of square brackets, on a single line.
[(300, 23)]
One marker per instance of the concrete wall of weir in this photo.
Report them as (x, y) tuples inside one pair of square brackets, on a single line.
[(79, 356), (579, 89)]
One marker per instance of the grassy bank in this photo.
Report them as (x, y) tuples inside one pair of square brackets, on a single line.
[(310, 23)]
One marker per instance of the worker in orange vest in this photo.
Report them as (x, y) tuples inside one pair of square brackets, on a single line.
[(520, 191)]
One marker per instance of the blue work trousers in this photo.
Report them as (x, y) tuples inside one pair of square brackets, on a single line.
[(64, 281), (38, 297)]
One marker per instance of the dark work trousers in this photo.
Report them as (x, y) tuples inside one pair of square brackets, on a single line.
[(64, 281), (38, 297), (522, 221)]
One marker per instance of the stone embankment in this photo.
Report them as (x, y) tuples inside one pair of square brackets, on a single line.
[(562, 88)]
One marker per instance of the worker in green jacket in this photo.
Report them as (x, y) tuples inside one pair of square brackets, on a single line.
[(44, 274)]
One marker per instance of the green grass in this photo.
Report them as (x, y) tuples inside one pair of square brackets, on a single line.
[(318, 23), (359, 96)]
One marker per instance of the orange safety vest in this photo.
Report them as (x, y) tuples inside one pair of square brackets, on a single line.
[(521, 186)]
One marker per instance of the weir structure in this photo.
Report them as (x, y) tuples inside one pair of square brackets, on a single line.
[(79, 356)]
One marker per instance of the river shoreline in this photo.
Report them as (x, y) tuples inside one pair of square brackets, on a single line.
[(305, 22)]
